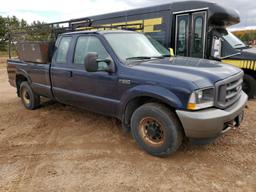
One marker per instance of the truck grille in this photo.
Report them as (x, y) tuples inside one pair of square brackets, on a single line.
[(228, 91)]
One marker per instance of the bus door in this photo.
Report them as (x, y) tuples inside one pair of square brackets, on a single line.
[(190, 34)]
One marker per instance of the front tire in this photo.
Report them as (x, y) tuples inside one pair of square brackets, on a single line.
[(249, 86), (156, 129), (29, 99)]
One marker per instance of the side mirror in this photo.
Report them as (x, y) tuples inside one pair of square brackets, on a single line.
[(91, 63), (216, 48)]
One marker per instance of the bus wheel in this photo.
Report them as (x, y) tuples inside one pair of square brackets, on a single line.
[(249, 86)]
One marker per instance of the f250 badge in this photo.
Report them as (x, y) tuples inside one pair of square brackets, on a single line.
[(124, 81)]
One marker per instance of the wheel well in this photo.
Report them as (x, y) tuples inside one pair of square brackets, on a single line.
[(19, 80), (250, 72), (136, 103)]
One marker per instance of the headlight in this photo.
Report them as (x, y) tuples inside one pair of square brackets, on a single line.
[(200, 99)]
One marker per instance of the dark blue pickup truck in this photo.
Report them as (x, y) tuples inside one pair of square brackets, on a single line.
[(130, 76)]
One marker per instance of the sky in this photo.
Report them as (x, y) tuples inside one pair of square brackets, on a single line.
[(57, 10)]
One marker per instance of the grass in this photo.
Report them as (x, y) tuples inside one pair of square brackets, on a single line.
[(3, 57), (6, 54), (3, 54)]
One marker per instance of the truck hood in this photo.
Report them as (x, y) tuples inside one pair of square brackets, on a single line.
[(201, 72)]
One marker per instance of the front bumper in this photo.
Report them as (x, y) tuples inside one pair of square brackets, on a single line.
[(212, 122)]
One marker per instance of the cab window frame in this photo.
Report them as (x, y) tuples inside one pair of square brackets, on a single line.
[(75, 46), (68, 50)]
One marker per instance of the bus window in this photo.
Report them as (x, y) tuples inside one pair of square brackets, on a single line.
[(198, 33), (192, 45), (197, 49), (181, 35)]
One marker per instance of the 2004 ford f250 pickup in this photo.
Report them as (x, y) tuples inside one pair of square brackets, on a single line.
[(130, 76)]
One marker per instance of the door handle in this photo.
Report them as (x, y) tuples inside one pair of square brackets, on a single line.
[(70, 73)]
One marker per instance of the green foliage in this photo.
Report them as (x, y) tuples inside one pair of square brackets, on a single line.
[(246, 36), (7, 23), (36, 31), (20, 30), (3, 31)]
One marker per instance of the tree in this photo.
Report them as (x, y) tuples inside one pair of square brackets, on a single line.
[(3, 31), (6, 24), (246, 35), (38, 31), (246, 38)]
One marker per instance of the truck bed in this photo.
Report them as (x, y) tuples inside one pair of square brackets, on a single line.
[(38, 75)]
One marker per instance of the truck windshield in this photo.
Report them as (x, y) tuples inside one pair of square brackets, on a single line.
[(137, 46), (232, 39)]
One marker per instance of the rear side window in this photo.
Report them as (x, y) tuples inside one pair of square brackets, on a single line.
[(86, 44), (63, 50)]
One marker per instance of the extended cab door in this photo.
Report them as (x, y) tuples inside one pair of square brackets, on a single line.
[(95, 91), (190, 33), (60, 70)]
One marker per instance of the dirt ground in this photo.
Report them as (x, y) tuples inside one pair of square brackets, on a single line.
[(61, 148)]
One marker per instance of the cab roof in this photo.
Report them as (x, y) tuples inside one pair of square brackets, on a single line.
[(97, 31)]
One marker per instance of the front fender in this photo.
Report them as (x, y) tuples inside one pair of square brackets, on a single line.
[(156, 92)]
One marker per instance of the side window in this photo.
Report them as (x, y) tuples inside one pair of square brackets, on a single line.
[(63, 50), (86, 44)]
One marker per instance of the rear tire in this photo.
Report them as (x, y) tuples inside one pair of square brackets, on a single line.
[(249, 86), (156, 129), (29, 99)]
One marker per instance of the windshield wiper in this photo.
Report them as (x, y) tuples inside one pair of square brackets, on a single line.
[(162, 56), (240, 46), (139, 58), (146, 57)]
